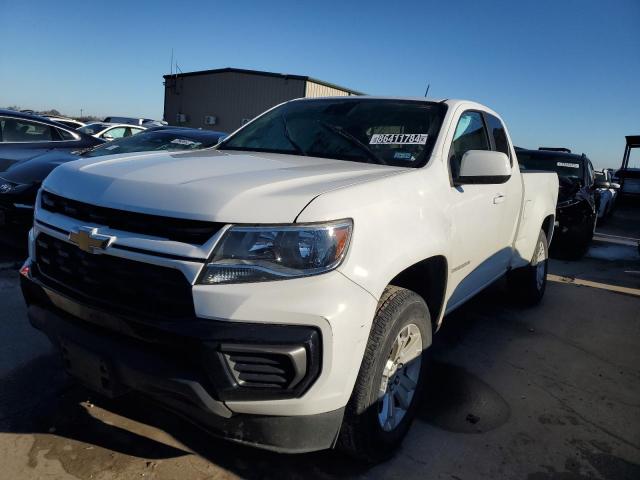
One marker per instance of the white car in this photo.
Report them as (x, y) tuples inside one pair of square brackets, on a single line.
[(607, 193), (282, 289), (110, 131)]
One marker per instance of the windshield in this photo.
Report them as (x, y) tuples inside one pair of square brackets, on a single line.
[(570, 167), (152, 141), (390, 132), (93, 128)]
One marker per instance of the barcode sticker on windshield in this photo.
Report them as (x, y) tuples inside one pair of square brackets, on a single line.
[(569, 165), (398, 139)]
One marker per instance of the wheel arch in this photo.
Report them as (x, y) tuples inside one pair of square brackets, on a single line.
[(548, 225), (428, 278)]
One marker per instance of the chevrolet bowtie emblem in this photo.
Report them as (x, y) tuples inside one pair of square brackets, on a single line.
[(89, 240)]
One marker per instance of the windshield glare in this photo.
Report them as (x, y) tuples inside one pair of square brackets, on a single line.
[(570, 168), (147, 142), (392, 132)]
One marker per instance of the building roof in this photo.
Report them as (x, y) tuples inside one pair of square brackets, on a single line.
[(264, 74)]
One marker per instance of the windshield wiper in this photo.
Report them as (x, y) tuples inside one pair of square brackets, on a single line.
[(354, 141), (288, 137)]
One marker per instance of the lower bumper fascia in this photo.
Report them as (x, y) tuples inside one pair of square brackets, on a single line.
[(109, 366)]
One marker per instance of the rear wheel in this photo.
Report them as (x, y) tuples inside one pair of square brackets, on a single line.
[(529, 283), (391, 377)]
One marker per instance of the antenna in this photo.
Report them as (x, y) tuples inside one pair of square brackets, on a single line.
[(427, 92), (171, 69)]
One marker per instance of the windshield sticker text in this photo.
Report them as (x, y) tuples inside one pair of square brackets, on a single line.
[(398, 139), (568, 165)]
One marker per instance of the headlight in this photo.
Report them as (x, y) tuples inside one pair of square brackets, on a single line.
[(259, 254), (10, 187), (6, 187)]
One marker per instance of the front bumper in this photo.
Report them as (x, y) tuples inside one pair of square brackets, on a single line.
[(574, 222), (181, 367), (16, 209)]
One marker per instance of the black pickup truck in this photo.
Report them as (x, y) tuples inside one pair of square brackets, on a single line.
[(576, 211)]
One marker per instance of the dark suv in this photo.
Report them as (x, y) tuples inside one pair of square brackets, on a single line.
[(576, 211)]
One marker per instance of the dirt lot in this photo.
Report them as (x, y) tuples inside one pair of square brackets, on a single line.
[(551, 392)]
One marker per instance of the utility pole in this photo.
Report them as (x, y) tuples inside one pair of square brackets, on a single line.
[(80, 113)]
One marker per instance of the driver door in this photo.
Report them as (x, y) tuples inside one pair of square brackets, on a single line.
[(479, 249)]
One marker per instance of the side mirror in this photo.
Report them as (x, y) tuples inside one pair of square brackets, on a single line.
[(108, 137), (483, 167), (615, 186), (599, 184)]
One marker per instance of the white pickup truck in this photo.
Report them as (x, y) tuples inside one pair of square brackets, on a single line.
[(282, 288)]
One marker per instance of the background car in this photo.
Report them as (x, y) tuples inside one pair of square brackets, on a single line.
[(20, 183), (576, 212), (110, 131), (606, 194), (24, 136), (135, 121)]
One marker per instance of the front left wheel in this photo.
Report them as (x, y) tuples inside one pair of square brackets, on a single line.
[(391, 377)]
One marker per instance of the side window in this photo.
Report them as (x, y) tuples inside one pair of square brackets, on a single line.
[(117, 132), (499, 135), (19, 130), (135, 130), (470, 134), (64, 135)]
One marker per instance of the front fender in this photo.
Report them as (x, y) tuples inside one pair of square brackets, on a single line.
[(398, 222)]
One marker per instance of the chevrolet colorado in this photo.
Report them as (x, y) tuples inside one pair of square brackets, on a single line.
[(282, 288)]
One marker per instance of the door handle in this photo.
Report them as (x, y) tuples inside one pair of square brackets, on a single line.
[(499, 198)]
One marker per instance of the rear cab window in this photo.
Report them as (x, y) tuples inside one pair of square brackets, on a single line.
[(498, 135)]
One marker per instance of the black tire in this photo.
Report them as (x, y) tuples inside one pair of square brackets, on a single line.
[(362, 435), (525, 282)]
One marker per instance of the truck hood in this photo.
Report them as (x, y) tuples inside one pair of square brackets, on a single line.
[(221, 186)]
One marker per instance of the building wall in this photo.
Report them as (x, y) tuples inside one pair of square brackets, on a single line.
[(231, 97), (314, 89)]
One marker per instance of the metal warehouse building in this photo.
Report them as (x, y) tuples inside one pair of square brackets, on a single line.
[(226, 98)]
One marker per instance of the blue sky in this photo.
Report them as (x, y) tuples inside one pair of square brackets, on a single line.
[(561, 73)]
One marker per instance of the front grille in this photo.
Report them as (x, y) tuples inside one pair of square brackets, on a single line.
[(128, 285), (178, 229)]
